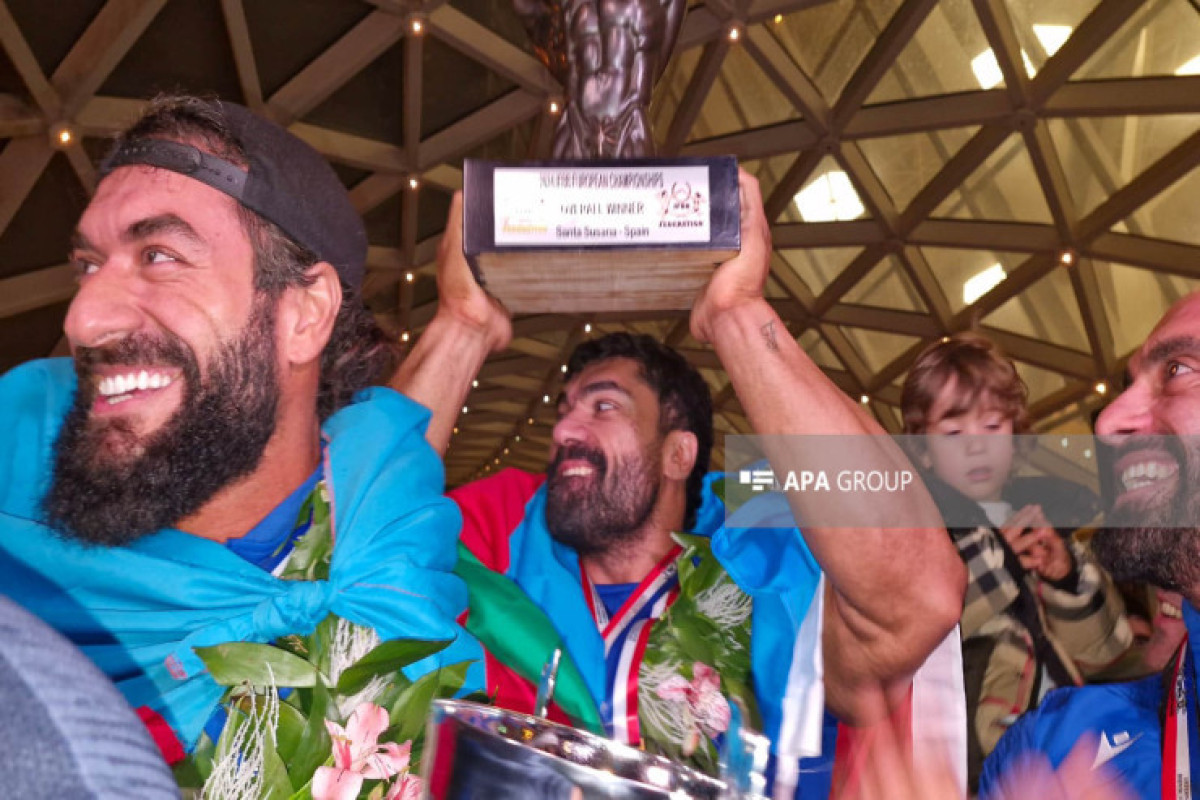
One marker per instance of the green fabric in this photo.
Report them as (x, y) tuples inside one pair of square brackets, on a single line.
[(521, 637)]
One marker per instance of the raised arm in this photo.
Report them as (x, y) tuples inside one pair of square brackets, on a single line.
[(894, 593), (469, 324)]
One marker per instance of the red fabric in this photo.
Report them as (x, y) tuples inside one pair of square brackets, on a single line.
[(855, 746), (160, 731), (492, 508)]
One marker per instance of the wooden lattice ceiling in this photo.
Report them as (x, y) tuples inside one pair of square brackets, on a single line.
[(1078, 136)]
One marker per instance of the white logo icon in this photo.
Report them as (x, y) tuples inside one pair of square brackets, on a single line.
[(759, 479), (1110, 749)]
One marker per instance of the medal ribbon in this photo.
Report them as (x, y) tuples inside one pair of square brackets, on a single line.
[(625, 636)]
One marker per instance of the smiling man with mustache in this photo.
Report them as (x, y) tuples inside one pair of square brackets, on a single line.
[(153, 488), (1147, 729)]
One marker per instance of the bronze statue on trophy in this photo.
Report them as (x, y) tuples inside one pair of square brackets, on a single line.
[(608, 54)]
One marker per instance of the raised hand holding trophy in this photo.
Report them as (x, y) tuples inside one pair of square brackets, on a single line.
[(626, 232)]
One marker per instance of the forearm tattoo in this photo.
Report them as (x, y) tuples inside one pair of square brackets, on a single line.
[(768, 332)]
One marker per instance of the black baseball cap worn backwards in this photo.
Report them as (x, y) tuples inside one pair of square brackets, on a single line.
[(288, 183)]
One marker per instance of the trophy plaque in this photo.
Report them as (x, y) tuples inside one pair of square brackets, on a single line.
[(580, 236), (605, 226)]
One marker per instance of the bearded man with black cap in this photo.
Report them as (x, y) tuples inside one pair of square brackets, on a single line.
[(152, 489)]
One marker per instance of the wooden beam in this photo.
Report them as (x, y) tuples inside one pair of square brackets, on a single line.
[(1095, 321), (1019, 237), (101, 47), (888, 320), (1174, 258), (774, 60), (375, 189), (243, 53), (805, 235), (21, 164), (479, 127), (492, 50), (32, 290), (771, 140), (1095, 29), (27, 67), (329, 71), (900, 30), (925, 113), (951, 176), (1042, 354), (354, 151), (1153, 181), (692, 102), (1175, 94)]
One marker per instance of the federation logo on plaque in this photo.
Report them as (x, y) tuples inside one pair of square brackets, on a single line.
[(682, 206)]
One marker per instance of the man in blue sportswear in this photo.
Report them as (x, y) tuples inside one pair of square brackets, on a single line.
[(588, 549), (152, 488), (1142, 734)]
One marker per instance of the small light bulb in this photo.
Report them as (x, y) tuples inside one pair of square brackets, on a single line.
[(734, 34), (864, 399), (778, 18), (413, 183), (404, 336), (1101, 387), (418, 27)]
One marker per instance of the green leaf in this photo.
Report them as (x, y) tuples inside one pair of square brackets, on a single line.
[(451, 679), (387, 659), (233, 663), (315, 746), (276, 784), (408, 713), (289, 731), (695, 639)]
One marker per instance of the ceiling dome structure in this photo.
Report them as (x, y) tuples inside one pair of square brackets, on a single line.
[(1030, 168)]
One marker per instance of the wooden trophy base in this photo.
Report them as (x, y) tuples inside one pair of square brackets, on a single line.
[(596, 236)]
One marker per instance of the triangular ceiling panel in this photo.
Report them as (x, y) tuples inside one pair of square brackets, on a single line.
[(966, 275), (51, 43), (296, 38), (1101, 155), (741, 97), (830, 39), (876, 348), (1172, 214), (887, 285), (1004, 188), (827, 195), (906, 163), (819, 351), (817, 266), (769, 171), (1160, 38), (1040, 382), (159, 53), (20, 252), (939, 58), (1047, 311), (1044, 27), (1139, 298)]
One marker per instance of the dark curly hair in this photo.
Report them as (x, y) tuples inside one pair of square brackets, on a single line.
[(359, 353), (684, 400)]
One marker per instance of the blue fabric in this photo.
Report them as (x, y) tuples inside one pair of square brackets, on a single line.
[(138, 611), (766, 555), (1068, 714), (614, 595), (270, 541)]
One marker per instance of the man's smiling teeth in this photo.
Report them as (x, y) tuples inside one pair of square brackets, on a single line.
[(577, 471), (1145, 473), (114, 386)]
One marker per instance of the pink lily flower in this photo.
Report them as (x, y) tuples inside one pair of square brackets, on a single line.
[(406, 787), (357, 755), (709, 708)]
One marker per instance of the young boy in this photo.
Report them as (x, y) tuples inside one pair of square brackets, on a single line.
[(1038, 612)]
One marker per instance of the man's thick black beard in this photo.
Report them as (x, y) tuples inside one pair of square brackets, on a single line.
[(1159, 544), (596, 522), (216, 437)]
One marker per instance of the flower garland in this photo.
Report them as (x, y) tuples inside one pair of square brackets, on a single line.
[(327, 716), (697, 660)]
